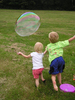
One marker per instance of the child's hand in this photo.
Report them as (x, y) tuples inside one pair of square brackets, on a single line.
[(19, 53), (74, 36), (45, 47)]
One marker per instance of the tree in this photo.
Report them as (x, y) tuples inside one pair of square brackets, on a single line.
[(38, 4)]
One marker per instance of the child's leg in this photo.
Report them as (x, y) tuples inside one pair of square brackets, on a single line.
[(37, 82), (59, 77), (42, 78), (53, 77)]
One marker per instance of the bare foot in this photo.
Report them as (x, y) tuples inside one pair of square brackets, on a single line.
[(55, 86)]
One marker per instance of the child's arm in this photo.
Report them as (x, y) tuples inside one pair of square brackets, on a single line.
[(45, 51), (26, 56), (71, 38)]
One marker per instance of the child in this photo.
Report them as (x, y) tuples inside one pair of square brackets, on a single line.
[(37, 62), (56, 60)]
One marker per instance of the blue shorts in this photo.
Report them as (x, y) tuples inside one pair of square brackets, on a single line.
[(57, 66)]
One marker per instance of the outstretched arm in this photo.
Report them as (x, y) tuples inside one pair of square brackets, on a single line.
[(71, 39), (26, 56), (45, 51)]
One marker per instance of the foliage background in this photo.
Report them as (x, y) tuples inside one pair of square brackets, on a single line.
[(38, 4)]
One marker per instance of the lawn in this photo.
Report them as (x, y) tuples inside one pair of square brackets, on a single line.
[(16, 79)]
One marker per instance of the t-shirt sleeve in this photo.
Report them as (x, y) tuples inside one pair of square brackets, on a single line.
[(64, 43), (43, 54), (32, 54)]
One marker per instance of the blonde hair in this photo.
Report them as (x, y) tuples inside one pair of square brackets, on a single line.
[(38, 47), (53, 36)]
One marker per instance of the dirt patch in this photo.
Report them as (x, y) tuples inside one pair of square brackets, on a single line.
[(14, 47)]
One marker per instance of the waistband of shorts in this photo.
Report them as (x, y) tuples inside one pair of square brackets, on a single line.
[(38, 69), (57, 58)]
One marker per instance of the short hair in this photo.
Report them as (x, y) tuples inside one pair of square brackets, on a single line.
[(53, 36), (38, 47)]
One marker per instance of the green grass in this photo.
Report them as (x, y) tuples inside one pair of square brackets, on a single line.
[(16, 79)]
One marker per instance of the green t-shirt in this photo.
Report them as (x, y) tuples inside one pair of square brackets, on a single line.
[(56, 49)]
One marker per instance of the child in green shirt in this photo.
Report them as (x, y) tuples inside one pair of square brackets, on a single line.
[(57, 63)]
